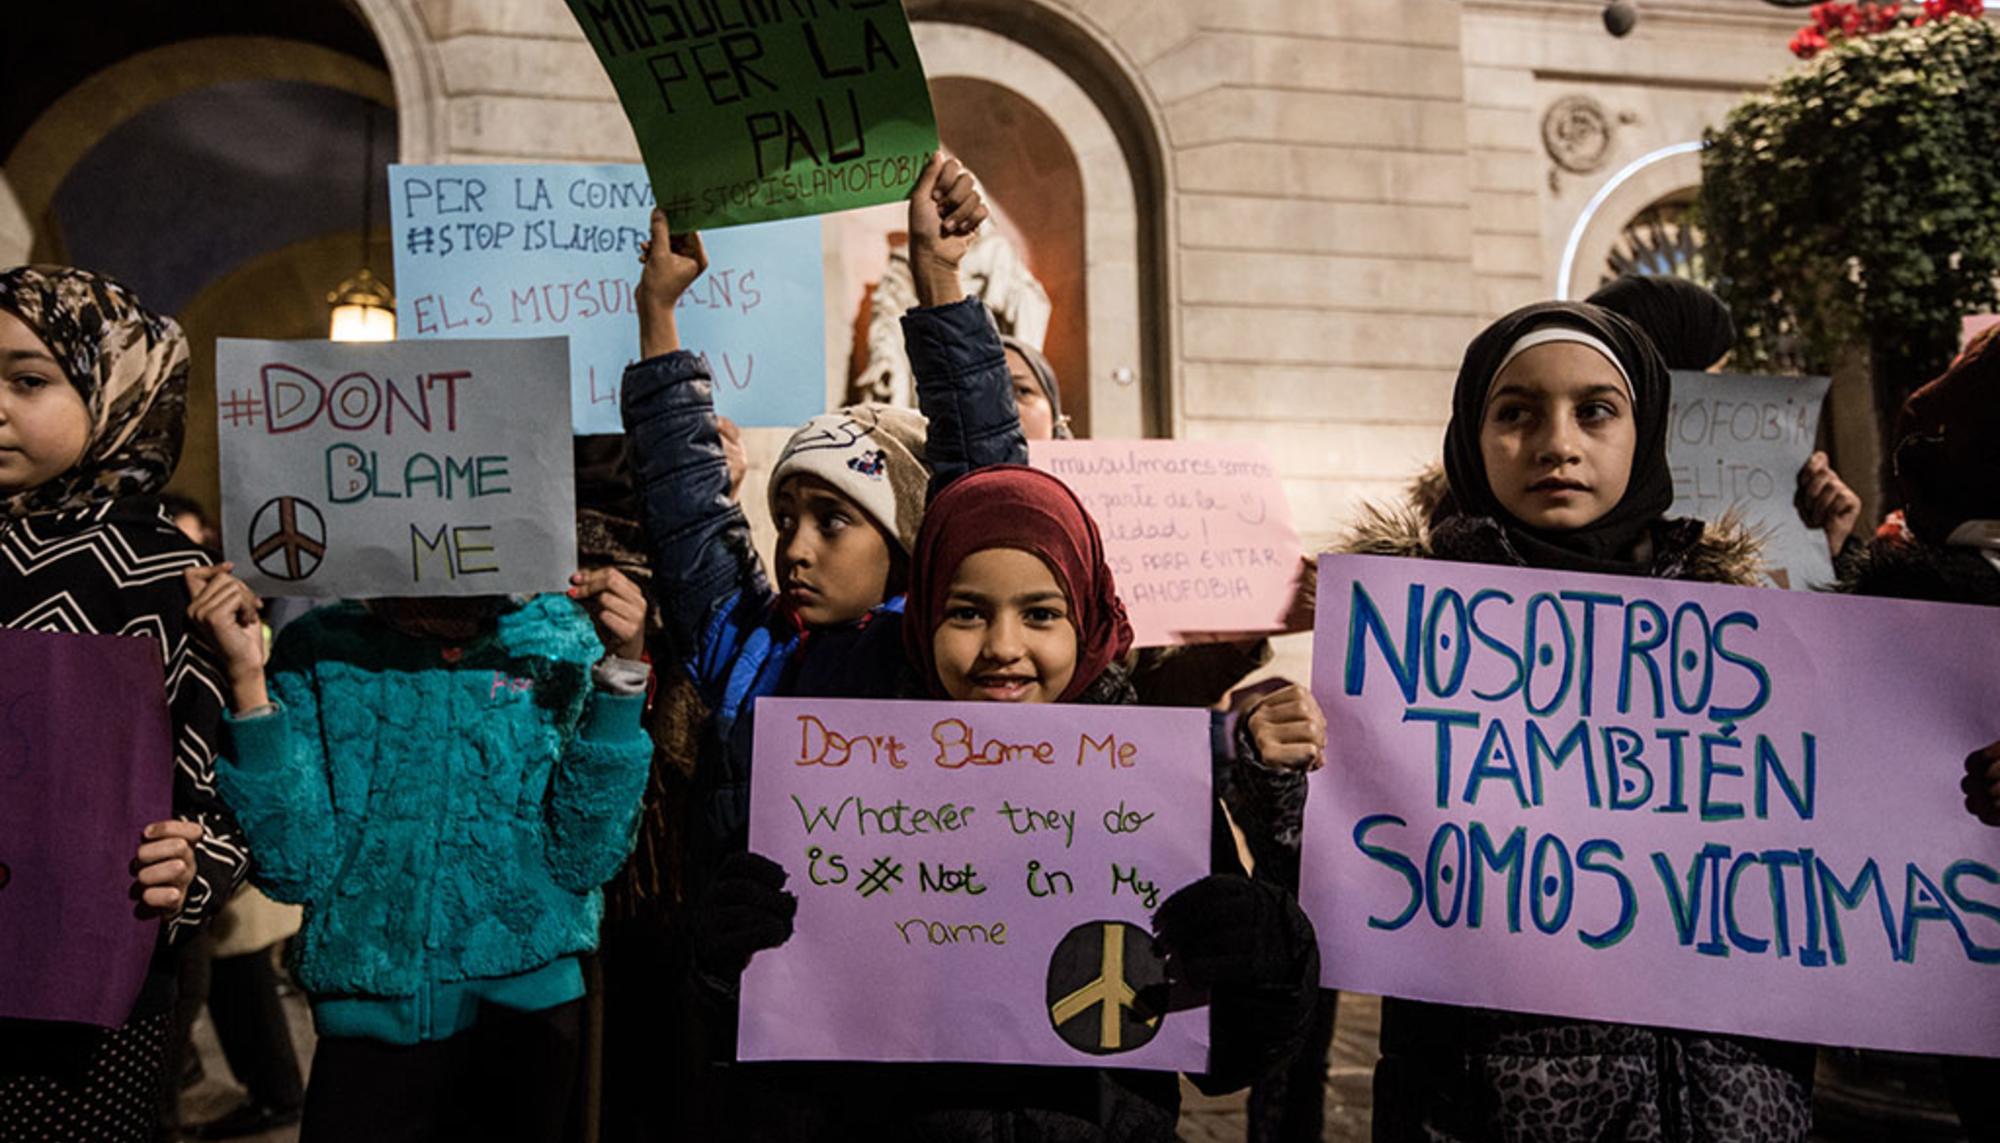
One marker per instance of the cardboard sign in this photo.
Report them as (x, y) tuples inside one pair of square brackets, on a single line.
[(86, 763), (353, 469), (1656, 803), (976, 881), (1198, 533), (544, 250), (749, 111), (1737, 443)]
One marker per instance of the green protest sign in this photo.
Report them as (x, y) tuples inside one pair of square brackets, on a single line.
[(754, 110)]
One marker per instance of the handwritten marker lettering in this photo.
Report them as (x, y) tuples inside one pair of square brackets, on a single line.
[(944, 853), (1579, 780), (396, 468)]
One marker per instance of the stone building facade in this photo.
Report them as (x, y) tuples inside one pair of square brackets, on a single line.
[(1294, 213)]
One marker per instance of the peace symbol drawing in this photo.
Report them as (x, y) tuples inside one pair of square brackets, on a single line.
[(1102, 979), (287, 538)]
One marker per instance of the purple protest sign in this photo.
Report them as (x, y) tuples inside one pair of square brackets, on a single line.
[(976, 881), (86, 762), (1721, 808)]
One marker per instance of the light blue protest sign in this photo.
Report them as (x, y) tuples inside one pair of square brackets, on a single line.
[(531, 250)]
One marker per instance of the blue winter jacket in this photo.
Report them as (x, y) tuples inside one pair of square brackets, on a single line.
[(721, 614), (444, 813)]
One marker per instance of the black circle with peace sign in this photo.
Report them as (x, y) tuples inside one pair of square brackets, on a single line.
[(1103, 980), (287, 538)]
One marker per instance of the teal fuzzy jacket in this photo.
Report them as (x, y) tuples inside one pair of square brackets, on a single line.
[(444, 813)]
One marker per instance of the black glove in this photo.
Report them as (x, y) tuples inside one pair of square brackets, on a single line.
[(1249, 944), (744, 911), (1232, 932)]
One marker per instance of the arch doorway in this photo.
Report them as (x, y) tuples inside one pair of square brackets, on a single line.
[(1069, 153), (215, 163)]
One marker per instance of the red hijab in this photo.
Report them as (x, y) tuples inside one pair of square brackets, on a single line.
[(1008, 506)]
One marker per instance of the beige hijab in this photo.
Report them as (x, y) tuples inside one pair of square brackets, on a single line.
[(129, 364)]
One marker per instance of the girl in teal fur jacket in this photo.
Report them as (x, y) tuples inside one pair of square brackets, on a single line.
[(443, 784)]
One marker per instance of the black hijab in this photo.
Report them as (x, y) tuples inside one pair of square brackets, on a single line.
[(1608, 543), (1690, 325)]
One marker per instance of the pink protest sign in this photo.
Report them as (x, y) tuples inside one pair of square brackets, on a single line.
[(1198, 533), (976, 882), (86, 762), (1721, 808)]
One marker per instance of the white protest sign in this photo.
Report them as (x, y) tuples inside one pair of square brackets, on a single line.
[(1737, 443), (352, 470)]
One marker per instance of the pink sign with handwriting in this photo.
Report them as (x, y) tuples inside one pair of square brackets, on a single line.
[(976, 882), (1198, 533), (1720, 808)]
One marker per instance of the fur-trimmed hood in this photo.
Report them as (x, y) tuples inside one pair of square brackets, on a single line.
[(1907, 569), (1724, 552)]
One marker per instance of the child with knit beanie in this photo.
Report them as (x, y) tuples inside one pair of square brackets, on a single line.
[(847, 495)]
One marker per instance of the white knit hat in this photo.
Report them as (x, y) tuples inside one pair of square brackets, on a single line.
[(871, 454)]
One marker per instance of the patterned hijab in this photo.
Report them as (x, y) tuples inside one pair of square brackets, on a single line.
[(129, 364)]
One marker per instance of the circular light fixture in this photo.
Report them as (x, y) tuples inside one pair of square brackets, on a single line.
[(363, 310)]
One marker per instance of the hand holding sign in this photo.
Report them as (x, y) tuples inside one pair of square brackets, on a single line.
[(945, 213), (617, 607), (1982, 784), (672, 263), (164, 867), (1289, 729), (745, 911), (224, 612), (1826, 502)]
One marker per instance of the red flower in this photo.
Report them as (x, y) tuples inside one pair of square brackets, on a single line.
[(1831, 16), (1808, 43), (1882, 17)]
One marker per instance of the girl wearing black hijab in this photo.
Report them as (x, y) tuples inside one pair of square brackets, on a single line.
[(1556, 452)]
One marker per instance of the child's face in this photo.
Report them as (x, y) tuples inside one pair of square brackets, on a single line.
[(1006, 635), (833, 562), (43, 422), (1558, 436), (1038, 420)]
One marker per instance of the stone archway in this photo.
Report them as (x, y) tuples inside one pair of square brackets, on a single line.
[(417, 75), (74, 124), (1085, 86)]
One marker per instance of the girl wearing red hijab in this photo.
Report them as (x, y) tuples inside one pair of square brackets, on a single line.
[(1010, 600), (1010, 597)]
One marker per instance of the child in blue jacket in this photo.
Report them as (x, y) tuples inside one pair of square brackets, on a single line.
[(847, 495), (443, 784)]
